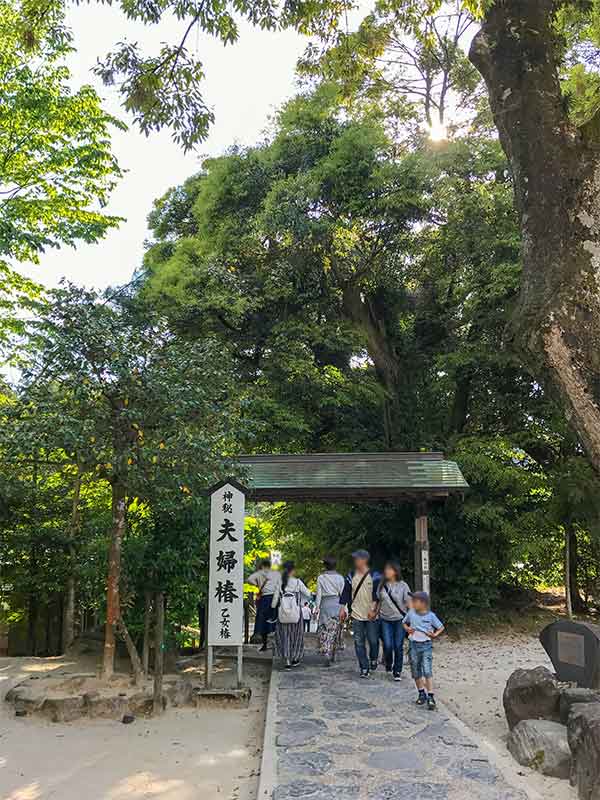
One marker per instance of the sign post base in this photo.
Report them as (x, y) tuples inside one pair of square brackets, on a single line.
[(210, 664)]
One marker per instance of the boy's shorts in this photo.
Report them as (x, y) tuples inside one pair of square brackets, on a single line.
[(421, 659)]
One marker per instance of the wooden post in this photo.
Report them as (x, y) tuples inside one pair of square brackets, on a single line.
[(240, 666), (422, 581), (246, 620), (159, 607)]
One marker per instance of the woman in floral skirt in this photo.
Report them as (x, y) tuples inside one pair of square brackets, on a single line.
[(330, 631)]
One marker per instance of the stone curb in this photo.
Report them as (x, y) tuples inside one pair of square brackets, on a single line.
[(268, 767)]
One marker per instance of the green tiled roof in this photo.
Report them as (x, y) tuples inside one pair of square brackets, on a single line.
[(347, 475)]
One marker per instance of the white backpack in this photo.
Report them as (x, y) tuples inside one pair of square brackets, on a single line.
[(289, 610)]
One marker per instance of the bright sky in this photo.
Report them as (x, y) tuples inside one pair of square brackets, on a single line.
[(245, 83)]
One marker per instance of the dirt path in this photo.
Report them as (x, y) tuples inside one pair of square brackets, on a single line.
[(185, 755)]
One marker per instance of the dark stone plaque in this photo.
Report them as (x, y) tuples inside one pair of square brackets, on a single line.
[(571, 648), (574, 649)]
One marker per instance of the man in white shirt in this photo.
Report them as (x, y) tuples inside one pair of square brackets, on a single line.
[(267, 581), (360, 598)]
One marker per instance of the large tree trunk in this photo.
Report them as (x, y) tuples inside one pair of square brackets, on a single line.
[(556, 173), (113, 608), (68, 625), (361, 310)]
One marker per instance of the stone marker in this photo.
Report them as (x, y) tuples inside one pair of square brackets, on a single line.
[(583, 730), (574, 649), (541, 745), (531, 694)]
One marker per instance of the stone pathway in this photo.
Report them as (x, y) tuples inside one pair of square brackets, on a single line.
[(338, 737)]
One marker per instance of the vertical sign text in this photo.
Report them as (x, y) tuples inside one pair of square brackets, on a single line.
[(226, 573)]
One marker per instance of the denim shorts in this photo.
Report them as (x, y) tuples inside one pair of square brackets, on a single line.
[(421, 659)]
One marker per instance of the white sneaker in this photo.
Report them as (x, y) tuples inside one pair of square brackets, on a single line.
[(397, 678)]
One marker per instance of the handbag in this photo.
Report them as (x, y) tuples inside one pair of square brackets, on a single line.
[(393, 599), (289, 609)]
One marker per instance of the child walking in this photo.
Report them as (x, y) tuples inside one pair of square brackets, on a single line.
[(422, 626)]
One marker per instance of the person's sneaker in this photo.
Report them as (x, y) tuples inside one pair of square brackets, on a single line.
[(421, 699), (373, 666), (262, 648), (295, 663), (431, 704), (388, 669), (364, 673), (397, 677)]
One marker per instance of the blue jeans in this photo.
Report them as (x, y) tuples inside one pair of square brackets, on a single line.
[(366, 631), (421, 659), (393, 633)]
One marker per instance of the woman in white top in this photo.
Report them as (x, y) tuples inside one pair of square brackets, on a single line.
[(330, 585), (266, 581), (289, 630)]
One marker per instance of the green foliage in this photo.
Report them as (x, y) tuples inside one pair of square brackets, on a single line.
[(56, 167), (17, 294), (112, 389)]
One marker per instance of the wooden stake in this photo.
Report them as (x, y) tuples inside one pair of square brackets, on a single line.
[(146, 643), (568, 598), (159, 607)]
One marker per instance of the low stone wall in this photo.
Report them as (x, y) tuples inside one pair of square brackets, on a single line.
[(64, 698)]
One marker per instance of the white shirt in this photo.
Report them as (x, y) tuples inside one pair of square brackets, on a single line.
[(329, 584), (306, 612), (267, 580), (295, 586)]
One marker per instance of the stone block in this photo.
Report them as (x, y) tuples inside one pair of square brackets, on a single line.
[(531, 694), (542, 745), (583, 731)]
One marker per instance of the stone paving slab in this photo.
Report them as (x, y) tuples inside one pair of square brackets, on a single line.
[(340, 737)]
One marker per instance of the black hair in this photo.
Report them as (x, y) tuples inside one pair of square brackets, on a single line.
[(288, 566), (396, 567), (329, 562), (265, 562)]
